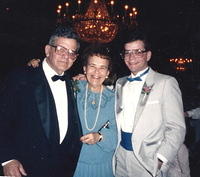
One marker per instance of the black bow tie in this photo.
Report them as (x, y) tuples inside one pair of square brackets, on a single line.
[(57, 77)]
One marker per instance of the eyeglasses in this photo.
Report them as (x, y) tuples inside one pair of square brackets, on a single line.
[(136, 52), (62, 51)]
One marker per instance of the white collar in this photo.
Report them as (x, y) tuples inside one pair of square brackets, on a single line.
[(138, 74), (49, 72)]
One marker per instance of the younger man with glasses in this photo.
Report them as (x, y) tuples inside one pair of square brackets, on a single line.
[(149, 112), (40, 127)]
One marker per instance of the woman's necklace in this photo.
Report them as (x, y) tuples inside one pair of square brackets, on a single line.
[(85, 109)]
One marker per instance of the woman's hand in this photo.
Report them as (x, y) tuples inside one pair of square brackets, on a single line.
[(91, 138), (34, 63)]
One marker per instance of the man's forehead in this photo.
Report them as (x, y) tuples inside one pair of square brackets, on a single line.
[(64, 39), (67, 42), (138, 44)]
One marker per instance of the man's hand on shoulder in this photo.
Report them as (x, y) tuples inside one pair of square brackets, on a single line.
[(34, 63), (79, 77), (14, 168)]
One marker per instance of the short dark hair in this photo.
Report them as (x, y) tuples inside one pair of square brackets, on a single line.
[(104, 52), (100, 50), (137, 34), (66, 32)]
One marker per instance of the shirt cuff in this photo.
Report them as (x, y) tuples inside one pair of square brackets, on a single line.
[(4, 163)]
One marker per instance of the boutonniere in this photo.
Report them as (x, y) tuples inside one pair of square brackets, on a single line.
[(76, 89), (147, 89)]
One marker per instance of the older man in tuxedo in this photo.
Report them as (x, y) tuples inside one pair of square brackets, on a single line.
[(149, 112), (40, 127)]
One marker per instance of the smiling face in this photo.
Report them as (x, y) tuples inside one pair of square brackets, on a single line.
[(60, 63), (136, 62), (96, 71)]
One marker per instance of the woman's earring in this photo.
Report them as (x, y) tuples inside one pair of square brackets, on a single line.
[(106, 77), (84, 72)]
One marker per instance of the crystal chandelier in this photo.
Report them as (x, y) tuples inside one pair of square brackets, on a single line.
[(97, 25)]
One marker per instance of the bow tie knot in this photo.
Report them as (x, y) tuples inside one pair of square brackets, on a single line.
[(134, 79), (138, 78), (57, 77)]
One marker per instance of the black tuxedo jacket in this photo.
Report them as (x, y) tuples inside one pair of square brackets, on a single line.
[(29, 129)]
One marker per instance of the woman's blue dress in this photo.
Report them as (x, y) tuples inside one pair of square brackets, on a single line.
[(96, 160)]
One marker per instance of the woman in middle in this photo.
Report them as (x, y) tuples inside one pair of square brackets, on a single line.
[(96, 110), (95, 104)]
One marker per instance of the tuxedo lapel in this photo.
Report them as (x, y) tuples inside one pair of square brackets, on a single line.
[(43, 107), (144, 95), (74, 127), (71, 102), (46, 106), (119, 104), (119, 96), (42, 100)]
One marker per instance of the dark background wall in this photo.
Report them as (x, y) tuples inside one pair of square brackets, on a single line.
[(172, 25)]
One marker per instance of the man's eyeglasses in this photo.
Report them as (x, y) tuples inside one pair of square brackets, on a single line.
[(136, 52), (62, 51)]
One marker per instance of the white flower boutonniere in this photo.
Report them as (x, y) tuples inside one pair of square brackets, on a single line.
[(146, 89)]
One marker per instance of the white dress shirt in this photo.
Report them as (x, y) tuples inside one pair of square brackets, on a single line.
[(58, 89), (131, 94)]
